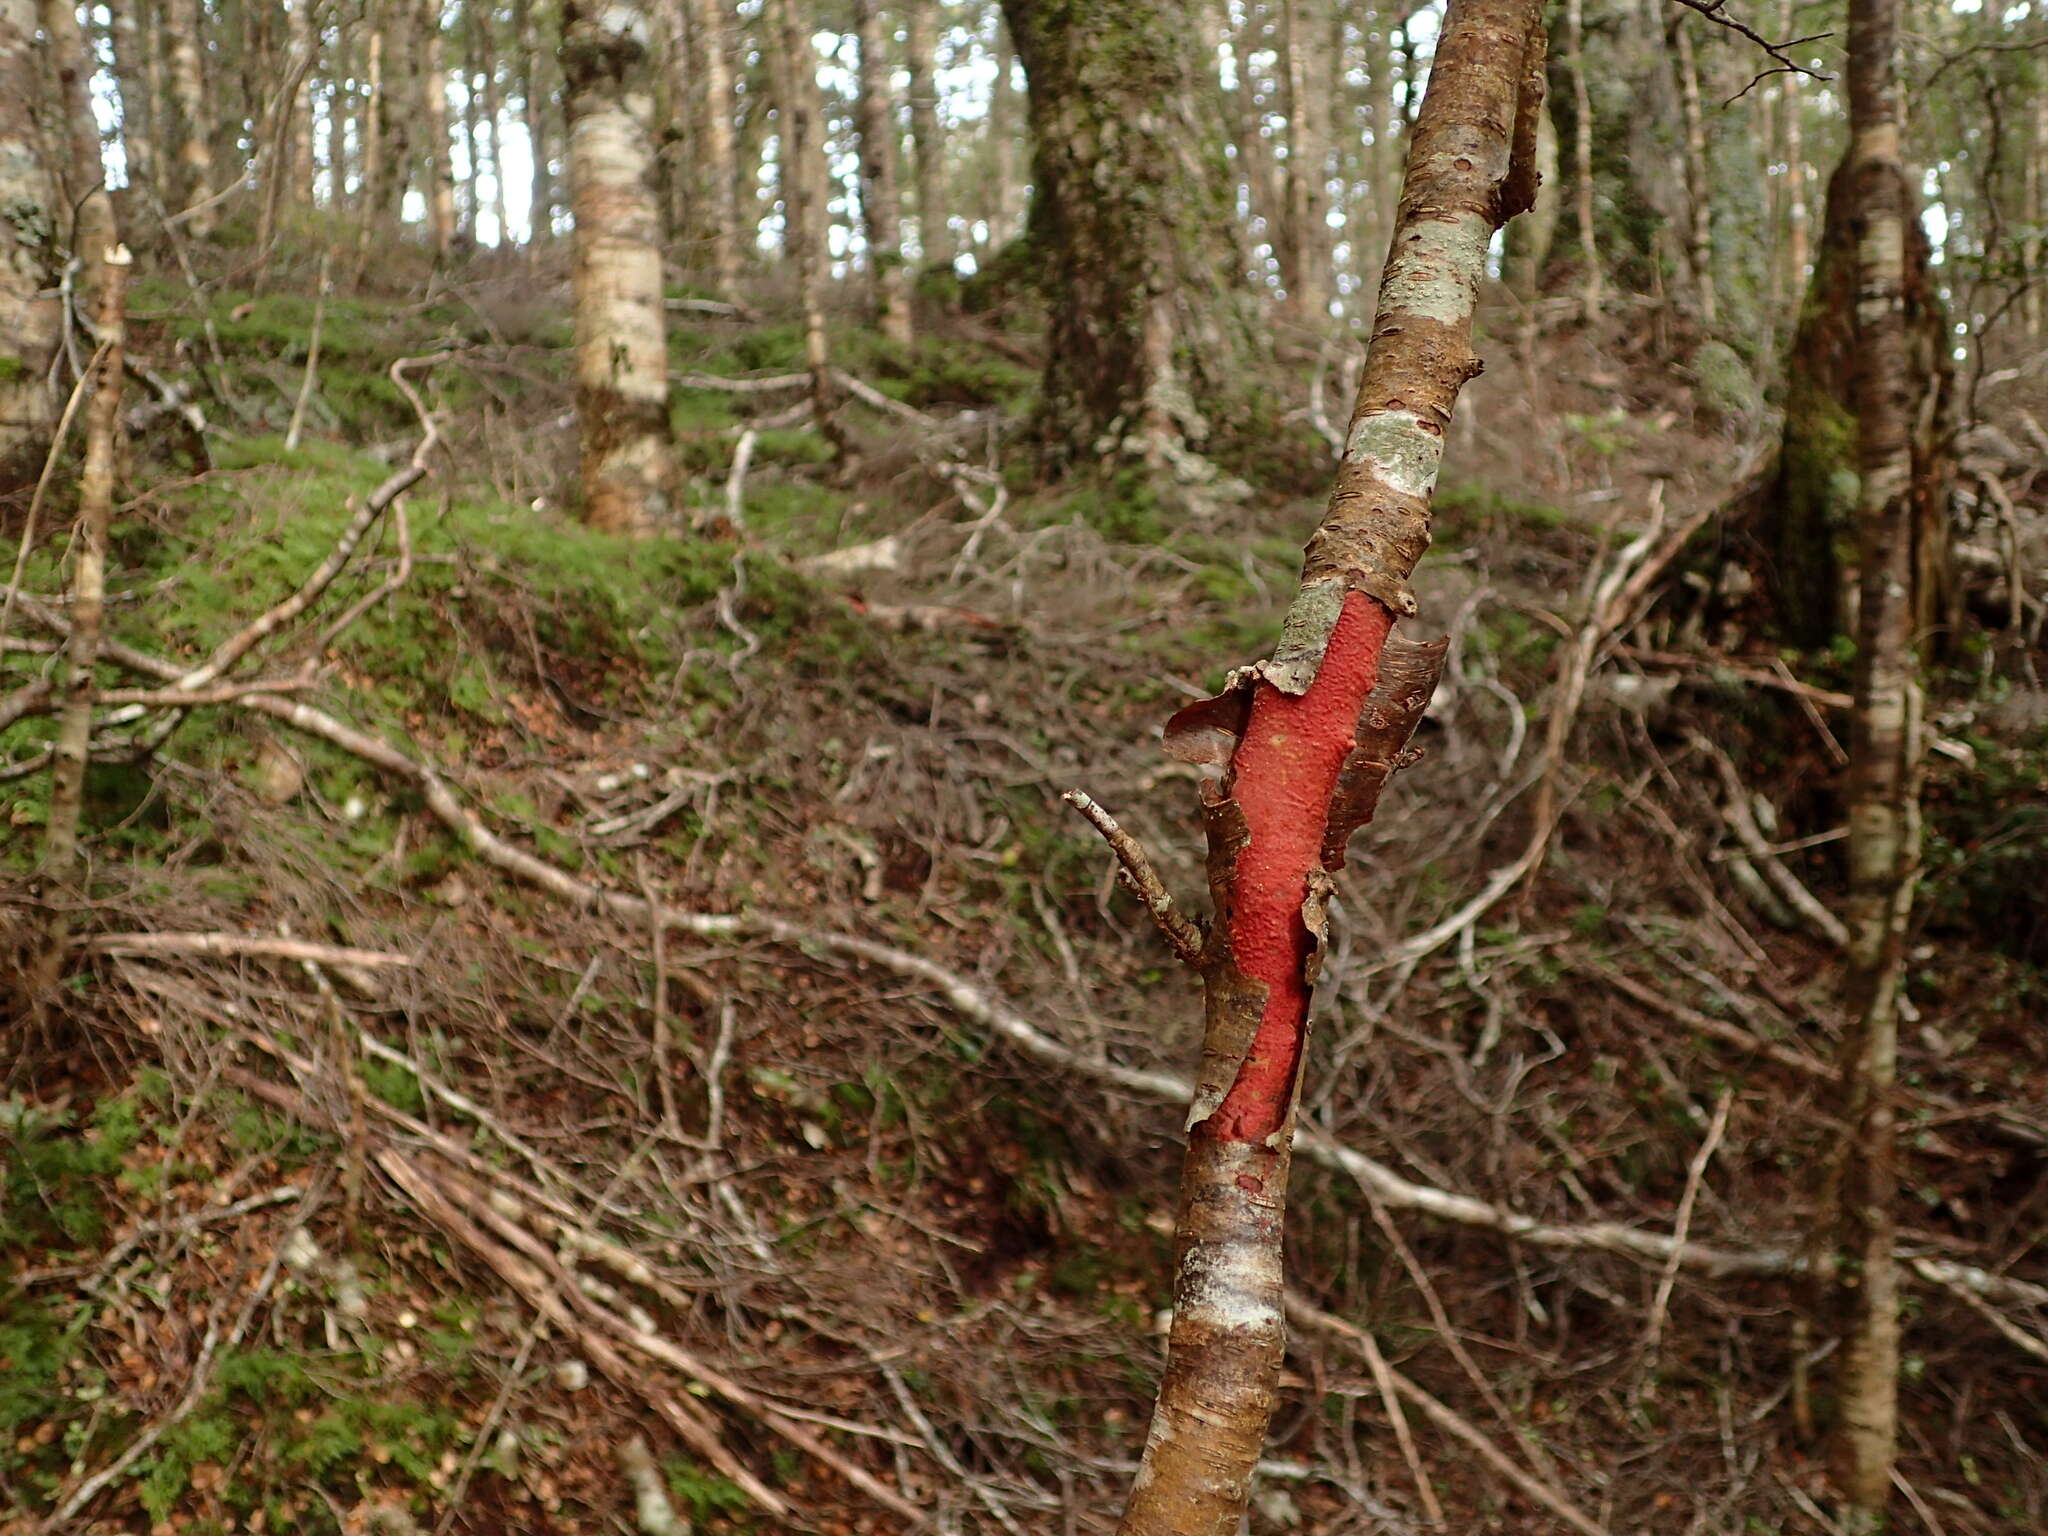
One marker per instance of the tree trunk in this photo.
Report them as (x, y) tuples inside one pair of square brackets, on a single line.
[(2035, 208), (1812, 551), (63, 868), (934, 234), (433, 99), (1004, 131), (1304, 244), (1309, 738), (90, 230), (30, 323), (370, 114), (628, 474), (1798, 255), (494, 104), (795, 69), (1132, 230), (881, 217), (1582, 159), (533, 94), (188, 98), (1884, 822), (305, 35), (708, 25), (138, 119), (1699, 191)]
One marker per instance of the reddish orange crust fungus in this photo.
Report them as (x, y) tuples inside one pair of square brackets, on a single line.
[(1282, 777)]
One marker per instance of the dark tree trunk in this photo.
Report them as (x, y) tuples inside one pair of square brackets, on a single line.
[(1131, 228)]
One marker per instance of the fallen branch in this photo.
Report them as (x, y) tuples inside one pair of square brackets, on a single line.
[(531, 1283), (250, 945)]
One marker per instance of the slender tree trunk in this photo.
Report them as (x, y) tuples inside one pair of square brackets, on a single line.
[(138, 120), (1883, 774), (90, 234), (188, 97), (533, 93), (708, 26), (1375, 214), (795, 68), (494, 106), (2035, 207), (433, 99), (1699, 191), (628, 471), (1305, 229), (370, 118), (63, 863), (934, 235), (30, 323), (305, 45), (1582, 158), (1133, 231), (1004, 130), (881, 218), (1308, 738)]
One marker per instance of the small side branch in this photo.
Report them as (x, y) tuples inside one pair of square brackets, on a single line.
[(1141, 878), (1716, 11)]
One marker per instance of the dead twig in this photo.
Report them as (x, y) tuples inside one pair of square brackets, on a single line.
[(1448, 1419), (1681, 1227), (298, 421), (1141, 878)]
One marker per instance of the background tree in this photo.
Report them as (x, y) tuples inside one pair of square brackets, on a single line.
[(1130, 230), (29, 317), (628, 473)]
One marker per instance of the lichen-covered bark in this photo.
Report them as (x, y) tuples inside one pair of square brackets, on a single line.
[(1131, 228), (881, 218), (29, 227), (1810, 539), (1307, 739), (628, 471), (1883, 767)]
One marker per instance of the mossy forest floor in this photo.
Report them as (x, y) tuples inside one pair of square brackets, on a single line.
[(939, 1256)]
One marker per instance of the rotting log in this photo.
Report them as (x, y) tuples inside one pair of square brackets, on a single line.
[(1305, 741)]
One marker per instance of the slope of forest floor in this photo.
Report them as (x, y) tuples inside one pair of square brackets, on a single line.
[(852, 1192)]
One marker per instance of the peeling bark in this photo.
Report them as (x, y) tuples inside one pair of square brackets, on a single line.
[(628, 472), (1308, 738)]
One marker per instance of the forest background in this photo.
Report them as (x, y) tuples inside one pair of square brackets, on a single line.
[(566, 558)]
